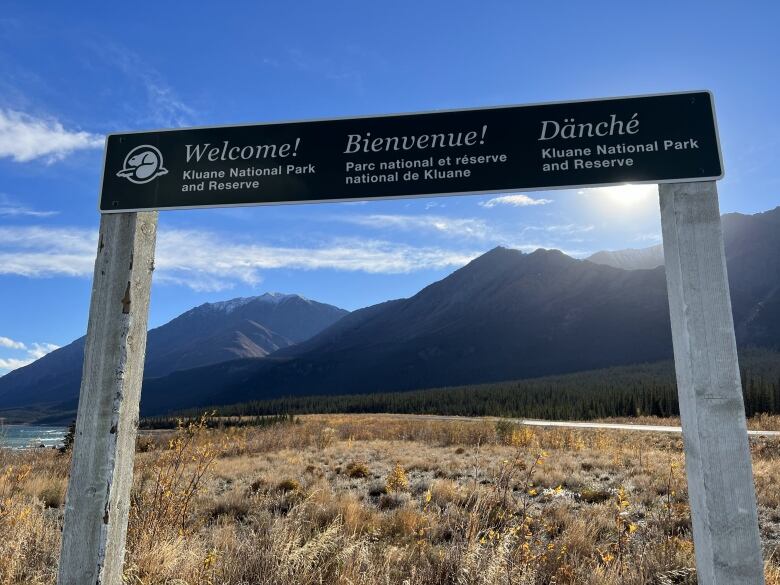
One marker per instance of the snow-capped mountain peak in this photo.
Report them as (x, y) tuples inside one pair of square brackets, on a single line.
[(231, 305)]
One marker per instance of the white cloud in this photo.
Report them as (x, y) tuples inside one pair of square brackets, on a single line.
[(18, 211), (518, 200), (9, 364), (38, 350), (24, 138), (208, 261), (9, 208), (41, 251), (521, 237), (205, 261), (11, 344), (569, 228), (31, 353), (453, 226)]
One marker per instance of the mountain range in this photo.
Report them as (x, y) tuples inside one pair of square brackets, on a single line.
[(505, 315), (210, 333), (631, 258)]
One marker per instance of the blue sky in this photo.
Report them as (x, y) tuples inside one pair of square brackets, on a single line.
[(69, 74)]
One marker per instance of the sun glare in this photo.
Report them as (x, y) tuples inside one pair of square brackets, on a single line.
[(623, 199)]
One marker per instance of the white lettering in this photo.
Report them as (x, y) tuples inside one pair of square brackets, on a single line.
[(570, 129)]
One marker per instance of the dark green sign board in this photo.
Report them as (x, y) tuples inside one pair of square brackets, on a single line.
[(646, 139)]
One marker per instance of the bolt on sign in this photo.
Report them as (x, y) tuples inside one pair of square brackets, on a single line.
[(648, 139), (670, 139)]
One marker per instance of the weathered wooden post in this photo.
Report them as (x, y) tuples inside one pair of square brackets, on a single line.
[(97, 503), (717, 457)]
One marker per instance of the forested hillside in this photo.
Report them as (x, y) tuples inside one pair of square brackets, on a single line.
[(648, 389)]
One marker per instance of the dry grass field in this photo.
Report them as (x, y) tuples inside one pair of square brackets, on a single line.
[(370, 499)]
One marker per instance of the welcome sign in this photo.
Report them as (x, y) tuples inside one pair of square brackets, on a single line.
[(648, 139), (669, 139)]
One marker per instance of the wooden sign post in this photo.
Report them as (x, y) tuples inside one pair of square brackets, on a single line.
[(717, 458), (101, 473), (668, 139)]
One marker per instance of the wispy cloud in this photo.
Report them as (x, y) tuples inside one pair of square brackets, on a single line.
[(31, 353), (18, 210), (8, 364), (518, 200), (9, 208), (43, 251), (9, 343), (163, 107), (24, 138), (451, 226), (521, 237), (565, 229), (210, 261), (38, 350), (206, 261), (203, 260)]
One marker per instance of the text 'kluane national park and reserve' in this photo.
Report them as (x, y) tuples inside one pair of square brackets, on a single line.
[(664, 138)]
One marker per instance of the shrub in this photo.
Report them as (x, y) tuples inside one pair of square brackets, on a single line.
[(144, 444), (445, 492), (161, 504), (595, 495), (326, 437), (288, 485), (357, 469), (396, 480), (404, 522), (52, 495), (504, 430), (258, 485), (67, 440)]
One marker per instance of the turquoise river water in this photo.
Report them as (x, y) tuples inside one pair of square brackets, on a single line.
[(24, 436)]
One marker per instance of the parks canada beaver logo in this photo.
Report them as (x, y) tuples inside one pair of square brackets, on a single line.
[(142, 164)]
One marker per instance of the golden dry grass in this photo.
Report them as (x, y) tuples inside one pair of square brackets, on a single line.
[(352, 499)]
